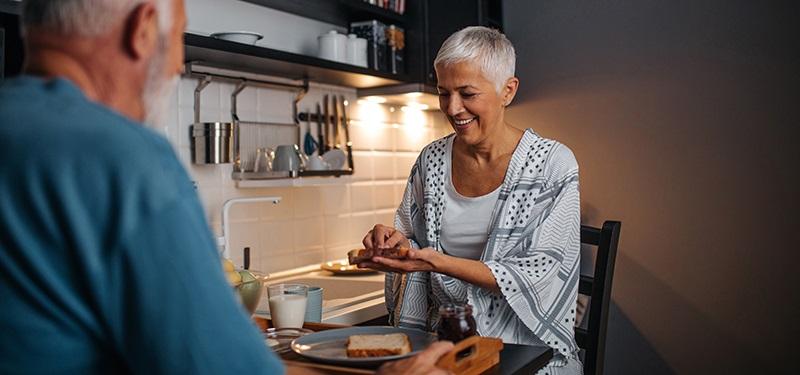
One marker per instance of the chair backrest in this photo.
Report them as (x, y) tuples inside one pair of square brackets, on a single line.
[(593, 338)]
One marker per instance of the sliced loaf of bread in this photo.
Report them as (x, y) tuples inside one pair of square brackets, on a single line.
[(378, 345)]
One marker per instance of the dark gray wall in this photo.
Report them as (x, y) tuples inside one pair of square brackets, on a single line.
[(684, 118)]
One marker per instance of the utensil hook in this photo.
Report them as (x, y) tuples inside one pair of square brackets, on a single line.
[(295, 113), (201, 84), (237, 160)]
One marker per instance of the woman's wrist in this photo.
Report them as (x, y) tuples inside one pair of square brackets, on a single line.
[(442, 263)]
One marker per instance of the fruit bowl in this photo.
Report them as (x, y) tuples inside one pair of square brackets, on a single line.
[(248, 284), (249, 289)]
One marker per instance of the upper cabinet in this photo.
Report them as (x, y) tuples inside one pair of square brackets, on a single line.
[(444, 17), (11, 51)]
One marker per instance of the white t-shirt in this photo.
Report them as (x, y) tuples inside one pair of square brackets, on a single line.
[(465, 224)]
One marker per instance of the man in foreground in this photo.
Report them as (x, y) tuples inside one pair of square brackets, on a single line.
[(106, 261)]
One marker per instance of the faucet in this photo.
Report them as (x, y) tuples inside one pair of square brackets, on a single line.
[(224, 240)]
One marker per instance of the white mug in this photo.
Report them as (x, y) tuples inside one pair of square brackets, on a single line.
[(286, 159), (356, 50), (333, 46), (316, 163)]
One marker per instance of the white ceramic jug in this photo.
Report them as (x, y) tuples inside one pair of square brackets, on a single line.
[(333, 46)]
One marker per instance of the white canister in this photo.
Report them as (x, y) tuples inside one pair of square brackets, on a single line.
[(356, 50), (333, 46)]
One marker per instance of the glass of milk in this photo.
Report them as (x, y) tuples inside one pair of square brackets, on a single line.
[(287, 304)]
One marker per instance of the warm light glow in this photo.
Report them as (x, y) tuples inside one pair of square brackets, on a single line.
[(414, 122), (414, 94), (376, 99), (414, 107), (371, 117)]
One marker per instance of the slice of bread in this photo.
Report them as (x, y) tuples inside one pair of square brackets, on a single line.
[(378, 345), (361, 255)]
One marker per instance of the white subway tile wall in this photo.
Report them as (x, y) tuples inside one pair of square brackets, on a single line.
[(311, 224)]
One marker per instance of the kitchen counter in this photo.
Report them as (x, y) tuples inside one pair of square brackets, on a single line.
[(346, 299)]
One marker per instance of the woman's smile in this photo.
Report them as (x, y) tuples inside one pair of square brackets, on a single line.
[(463, 124)]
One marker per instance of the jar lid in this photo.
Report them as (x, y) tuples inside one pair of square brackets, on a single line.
[(455, 309)]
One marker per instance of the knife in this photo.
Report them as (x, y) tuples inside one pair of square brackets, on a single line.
[(348, 144), (326, 118), (335, 142), (320, 137)]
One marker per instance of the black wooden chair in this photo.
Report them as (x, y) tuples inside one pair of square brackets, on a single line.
[(592, 339)]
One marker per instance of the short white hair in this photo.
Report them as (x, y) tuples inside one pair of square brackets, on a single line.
[(488, 48), (88, 17)]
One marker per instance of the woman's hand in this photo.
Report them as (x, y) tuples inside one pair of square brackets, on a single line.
[(384, 237), (425, 259)]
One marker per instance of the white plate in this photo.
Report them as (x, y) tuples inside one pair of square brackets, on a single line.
[(335, 158), (330, 346), (279, 339), (245, 37)]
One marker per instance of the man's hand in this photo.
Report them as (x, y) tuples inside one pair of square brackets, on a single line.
[(421, 364)]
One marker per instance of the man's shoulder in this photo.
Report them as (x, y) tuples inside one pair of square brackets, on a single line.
[(58, 119), (58, 135)]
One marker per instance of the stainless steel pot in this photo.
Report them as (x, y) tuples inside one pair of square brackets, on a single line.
[(212, 142)]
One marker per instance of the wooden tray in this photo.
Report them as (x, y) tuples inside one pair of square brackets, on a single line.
[(472, 356)]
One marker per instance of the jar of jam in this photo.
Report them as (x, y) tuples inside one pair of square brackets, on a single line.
[(456, 322)]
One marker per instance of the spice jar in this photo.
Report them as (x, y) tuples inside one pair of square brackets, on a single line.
[(456, 322)]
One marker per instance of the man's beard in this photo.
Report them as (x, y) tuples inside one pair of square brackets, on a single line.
[(158, 91)]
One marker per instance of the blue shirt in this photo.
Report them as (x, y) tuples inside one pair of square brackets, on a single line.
[(107, 264)]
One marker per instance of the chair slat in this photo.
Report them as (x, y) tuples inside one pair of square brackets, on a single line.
[(585, 285), (581, 336), (590, 235)]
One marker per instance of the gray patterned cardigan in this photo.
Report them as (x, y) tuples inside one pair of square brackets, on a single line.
[(533, 248)]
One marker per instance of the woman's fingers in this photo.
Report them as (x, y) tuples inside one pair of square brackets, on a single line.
[(383, 237), (396, 238), (367, 241), (379, 235)]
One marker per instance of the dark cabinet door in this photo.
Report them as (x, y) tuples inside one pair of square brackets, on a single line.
[(444, 17), (11, 51)]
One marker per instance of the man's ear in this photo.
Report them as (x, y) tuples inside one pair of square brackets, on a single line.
[(140, 38), (510, 90)]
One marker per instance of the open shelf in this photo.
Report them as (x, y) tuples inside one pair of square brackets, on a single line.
[(219, 53), (293, 182), (336, 12)]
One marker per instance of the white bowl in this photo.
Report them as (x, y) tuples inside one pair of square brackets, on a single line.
[(244, 37)]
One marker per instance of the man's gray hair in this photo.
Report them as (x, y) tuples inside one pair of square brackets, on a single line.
[(87, 17), (488, 48)]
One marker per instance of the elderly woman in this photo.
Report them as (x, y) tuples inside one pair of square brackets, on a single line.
[(491, 213)]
